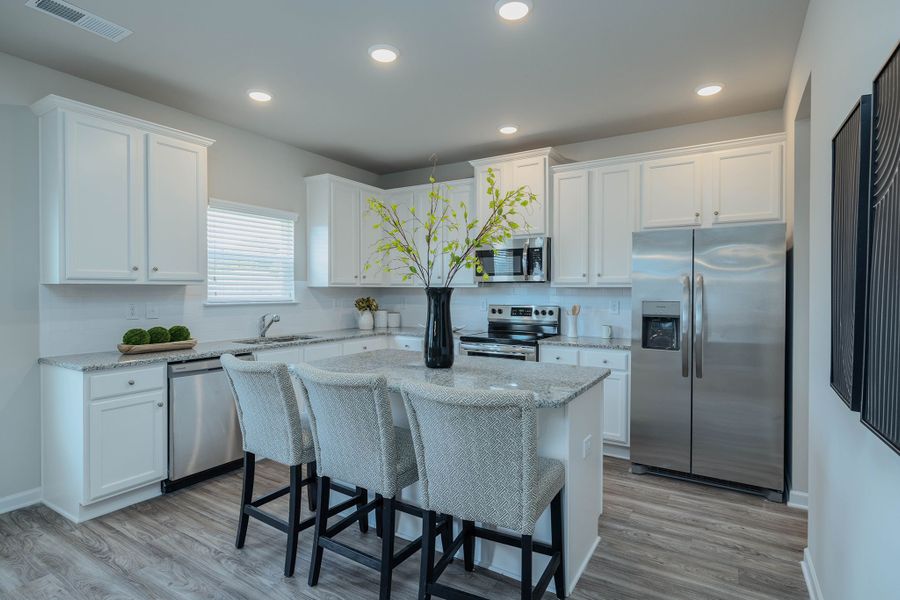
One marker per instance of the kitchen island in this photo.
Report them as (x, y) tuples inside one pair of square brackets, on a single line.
[(570, 426)]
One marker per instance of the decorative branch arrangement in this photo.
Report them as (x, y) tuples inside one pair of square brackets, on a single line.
[(412, 244)]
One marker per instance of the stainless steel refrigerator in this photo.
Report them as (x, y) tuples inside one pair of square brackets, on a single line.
[(708, 352)]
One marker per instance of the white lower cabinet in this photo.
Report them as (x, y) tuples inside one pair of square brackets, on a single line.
[(365, 345), (105, 438), (408, 342), (616, 387), (291, 355)]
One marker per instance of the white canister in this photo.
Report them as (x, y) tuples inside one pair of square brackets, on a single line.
[(381, 318), (365, 320), (570, 325), (606, 331), (393, 319)]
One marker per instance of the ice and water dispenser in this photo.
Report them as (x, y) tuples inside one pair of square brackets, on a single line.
[(661, 325)]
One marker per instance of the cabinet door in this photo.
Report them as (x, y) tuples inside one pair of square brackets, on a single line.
[(369, 238), (104, 201), (747, 184), (127, 443), (460, 196), (176, 210), (615, 408), (289, 356), (482, 199), (571, 233), (365, 345), (404, 201), (531, 173), (320, 351), (344, 238), (613, 200), (422, 206), (558, 355), (672, 192), (407, 342)]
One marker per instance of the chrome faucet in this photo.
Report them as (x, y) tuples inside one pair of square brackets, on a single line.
[(265, 323)]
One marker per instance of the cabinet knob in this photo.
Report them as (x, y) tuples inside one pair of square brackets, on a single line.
[(557, 358), (605, 361), (696, 214), (365, 347), (155, 269), (134, 268), (716, 213), (131, 382), (159, 404), (364, 276), (584, 274), (355, 276)]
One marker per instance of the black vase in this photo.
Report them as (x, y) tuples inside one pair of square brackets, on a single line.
[(438, 329)]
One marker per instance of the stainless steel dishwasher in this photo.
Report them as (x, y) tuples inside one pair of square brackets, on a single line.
[(204, 434)]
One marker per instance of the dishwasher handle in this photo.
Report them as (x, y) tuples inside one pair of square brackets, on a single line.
[(192, 367)]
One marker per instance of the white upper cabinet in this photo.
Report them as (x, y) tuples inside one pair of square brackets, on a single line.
[(122, 200), (345, 244), (571, 228), (614, 198), (460, 195), (530, 170), (369, 238), (747, 184), (176, 209), (672, 192)]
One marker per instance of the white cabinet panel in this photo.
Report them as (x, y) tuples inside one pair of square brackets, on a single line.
[(103, 200), (369, 238), (408, 342), (615, 408), (605, 359), (613, 200), (344, 238), (572, 228), (559, 355), (460, 195), (747, 184), (176, 210), (672, 192), (482, 198), (118, 382), (315, 352), (365, 345), (289, 356), (127, 443), (404, 201), (531, 173)]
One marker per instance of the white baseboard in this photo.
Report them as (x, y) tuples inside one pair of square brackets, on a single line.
[(797, 499), (809, 575), (614, 451), (20, 500)]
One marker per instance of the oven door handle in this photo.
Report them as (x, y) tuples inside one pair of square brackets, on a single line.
[(499, 350), (525, 270)]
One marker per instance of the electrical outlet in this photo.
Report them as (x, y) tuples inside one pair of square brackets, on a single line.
[(613, 307), (586, 446), (152, 311), (131, 311)]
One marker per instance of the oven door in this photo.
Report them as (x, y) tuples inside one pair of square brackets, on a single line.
[(519, 259), (514, 352)]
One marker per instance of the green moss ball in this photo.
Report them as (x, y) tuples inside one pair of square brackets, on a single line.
[(158, 335), (136, 337), (179, 333)]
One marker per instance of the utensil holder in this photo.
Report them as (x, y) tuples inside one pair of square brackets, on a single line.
[(570, 323)]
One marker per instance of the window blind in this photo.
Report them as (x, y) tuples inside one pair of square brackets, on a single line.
[(250, 254)]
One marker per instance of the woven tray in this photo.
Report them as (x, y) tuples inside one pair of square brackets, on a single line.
[(144, 348)]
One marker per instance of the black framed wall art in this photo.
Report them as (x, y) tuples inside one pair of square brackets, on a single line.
[(881, 398), (850, 192)]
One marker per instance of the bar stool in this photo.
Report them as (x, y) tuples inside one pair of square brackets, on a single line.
[(272, 427), (476, 453), (356, 442)]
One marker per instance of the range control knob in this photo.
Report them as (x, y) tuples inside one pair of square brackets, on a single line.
[(543, 313), (493, 311), (550, 313), (500, 311)]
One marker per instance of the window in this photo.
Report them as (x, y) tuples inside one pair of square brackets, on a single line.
[(250, 254)]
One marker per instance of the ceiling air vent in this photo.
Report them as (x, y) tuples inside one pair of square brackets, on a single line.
[(80, 18)]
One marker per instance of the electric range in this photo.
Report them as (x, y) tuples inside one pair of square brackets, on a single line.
[(513, 332)]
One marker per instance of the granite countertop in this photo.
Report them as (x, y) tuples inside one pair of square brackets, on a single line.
[(586, 341), (96, 361), (554, 385)]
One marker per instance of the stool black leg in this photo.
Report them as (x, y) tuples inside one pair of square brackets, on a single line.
[(446, 533), (246, 498), (379, 530), (556, 527), (387, 548), (363, 518), (312, 493), (469, 545), (426, 571), (293, 531), (526, 568), (315, 564)]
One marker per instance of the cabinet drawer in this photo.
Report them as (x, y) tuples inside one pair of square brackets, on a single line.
[(364, 345), (322, 351), (556, 354), (607, 359), (130, 381), (409, 343)]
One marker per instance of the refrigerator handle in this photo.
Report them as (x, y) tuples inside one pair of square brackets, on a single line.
[(698, 326), (685, 325)]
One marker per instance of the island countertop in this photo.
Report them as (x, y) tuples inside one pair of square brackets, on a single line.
[(553, 385)]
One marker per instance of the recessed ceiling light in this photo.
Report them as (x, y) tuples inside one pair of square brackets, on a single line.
[(259, 95), (508, 129), (709, 89), (384, 53), (513, 10)]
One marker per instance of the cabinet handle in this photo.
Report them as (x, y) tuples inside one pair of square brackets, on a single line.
[(155, 269), (131, 382), (134, 268), (159, 404)]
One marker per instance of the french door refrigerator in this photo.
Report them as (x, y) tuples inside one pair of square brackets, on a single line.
[(708, 351)]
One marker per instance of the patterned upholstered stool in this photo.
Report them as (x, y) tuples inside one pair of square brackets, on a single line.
[(356, 442), (477, 457), (273, 428)]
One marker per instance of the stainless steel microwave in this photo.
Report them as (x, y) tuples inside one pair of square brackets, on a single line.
[(517, 259)]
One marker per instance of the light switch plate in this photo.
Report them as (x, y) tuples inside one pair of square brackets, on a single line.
[(131, 312), (613, 307), (152, 311)]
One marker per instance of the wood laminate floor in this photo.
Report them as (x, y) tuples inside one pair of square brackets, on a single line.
[(661, 539)]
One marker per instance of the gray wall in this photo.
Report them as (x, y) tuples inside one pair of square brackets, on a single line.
[(20, 406), (854, 479), (646, 141)]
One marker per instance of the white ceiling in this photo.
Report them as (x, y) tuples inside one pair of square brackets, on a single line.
[(573, 70)]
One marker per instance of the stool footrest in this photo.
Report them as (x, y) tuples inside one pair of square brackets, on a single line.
[(351, 553), (511, 540), (271, 496)]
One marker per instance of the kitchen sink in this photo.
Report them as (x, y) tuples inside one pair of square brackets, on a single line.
[(276, 339)]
